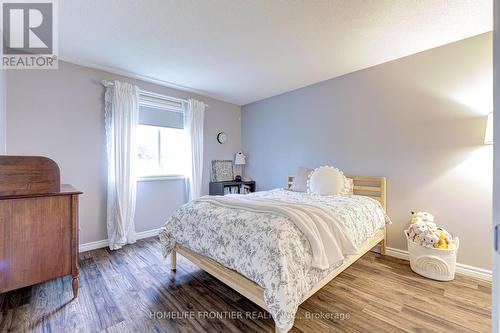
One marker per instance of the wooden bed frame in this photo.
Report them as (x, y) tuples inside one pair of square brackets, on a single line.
[(374, 187)]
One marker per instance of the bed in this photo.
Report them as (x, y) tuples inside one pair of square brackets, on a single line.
[(231, 242)]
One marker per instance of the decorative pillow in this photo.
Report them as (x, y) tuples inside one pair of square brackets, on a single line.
[(327, 180), (300, 180)]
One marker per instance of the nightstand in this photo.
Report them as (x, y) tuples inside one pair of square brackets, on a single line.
[(231, 187)]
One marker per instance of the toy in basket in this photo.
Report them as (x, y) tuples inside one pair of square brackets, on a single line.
[(432, 250)]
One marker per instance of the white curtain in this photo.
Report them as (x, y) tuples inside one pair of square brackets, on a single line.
[(121, 118), (194, 115)]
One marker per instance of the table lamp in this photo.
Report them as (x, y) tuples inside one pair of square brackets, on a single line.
[(239, 161)]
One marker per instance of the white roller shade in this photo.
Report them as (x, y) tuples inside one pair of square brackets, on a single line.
[(160, 117)]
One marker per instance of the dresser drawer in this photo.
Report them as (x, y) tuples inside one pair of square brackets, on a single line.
[(35, 240)]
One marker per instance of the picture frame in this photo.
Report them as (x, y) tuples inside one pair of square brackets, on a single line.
[(222, 170)]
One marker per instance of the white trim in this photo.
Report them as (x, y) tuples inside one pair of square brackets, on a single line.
[(397, 253), (390, 251), (154, 95), (165, 104), (148, 233), (474, 271), (93, 245), (460, 268), (104, 243), (158, 178)]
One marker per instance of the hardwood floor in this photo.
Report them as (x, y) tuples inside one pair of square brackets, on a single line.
[(133, 290)]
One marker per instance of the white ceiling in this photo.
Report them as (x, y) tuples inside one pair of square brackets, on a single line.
[(246, 50)]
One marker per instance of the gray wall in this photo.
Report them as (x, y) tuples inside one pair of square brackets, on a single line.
[(59, 114), (418, 120)]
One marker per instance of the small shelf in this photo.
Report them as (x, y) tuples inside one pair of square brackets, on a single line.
[(231, 187)]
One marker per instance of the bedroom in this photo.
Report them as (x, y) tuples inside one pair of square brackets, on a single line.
[(395, 98)]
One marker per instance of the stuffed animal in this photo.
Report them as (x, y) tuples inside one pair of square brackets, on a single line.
[(429, 240), (421, 228), (442, 242), (421, 217), (424, 232), (447, 235)]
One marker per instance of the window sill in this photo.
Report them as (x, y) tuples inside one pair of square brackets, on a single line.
[(160, 178)]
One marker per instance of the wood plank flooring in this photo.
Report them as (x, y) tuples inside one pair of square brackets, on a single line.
[(133, 290)]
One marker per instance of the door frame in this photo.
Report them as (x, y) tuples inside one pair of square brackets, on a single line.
[(495, 316)]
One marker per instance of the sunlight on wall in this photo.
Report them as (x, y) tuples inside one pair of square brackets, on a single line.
[(469, 182), (476, 93), (477, 167)]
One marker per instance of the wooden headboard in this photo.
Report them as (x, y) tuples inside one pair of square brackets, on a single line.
[(373, 187)]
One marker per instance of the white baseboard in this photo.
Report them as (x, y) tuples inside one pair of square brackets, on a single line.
[(148, 233), (390, 251), (93, 245), (474, 271), (460, 268), (104, 243)]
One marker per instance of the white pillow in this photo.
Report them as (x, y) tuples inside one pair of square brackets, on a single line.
[(300, 180), (327, 180)]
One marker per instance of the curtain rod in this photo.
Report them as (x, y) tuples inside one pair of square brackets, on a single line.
[(107, 83)]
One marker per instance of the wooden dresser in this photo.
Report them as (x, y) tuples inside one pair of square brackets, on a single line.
[(38, 223)]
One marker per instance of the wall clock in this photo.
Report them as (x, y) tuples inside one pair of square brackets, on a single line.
[(222, 137)]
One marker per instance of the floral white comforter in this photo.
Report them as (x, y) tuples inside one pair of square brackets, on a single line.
[(267, 248)]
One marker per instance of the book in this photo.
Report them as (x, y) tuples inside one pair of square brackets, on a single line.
[(245, 189)]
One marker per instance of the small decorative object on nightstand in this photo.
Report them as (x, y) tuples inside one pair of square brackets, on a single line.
[(231, 187), (239, 162), (222, 170)]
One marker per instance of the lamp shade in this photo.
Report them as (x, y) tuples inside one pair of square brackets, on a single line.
[(488, 135), (240, 159)]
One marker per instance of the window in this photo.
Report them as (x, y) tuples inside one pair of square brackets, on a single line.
[(162, 141), (161, 151)]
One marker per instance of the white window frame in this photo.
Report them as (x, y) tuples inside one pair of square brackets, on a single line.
[(149, 99), (160, 178)]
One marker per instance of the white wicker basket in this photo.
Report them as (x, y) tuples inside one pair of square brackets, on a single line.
[(436, 264)]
